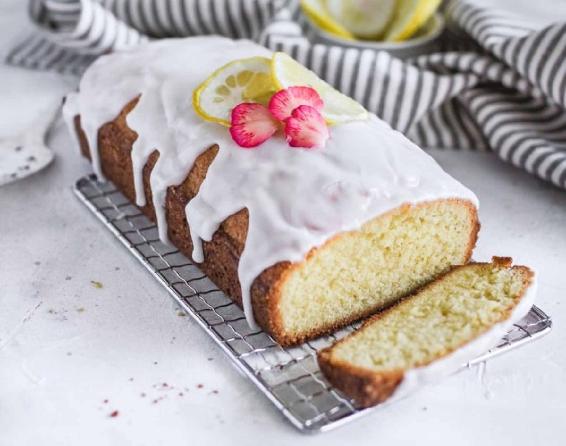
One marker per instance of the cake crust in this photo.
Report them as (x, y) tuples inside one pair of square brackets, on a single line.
[(221, 254), (370, 388)]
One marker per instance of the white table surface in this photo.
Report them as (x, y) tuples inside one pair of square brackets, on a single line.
[(71, 353)]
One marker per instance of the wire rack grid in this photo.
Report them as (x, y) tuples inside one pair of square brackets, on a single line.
[(289, 377)]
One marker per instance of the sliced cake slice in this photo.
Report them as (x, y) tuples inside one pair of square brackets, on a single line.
[(432, 333)]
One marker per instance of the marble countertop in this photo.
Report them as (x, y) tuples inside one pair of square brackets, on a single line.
[(73, 353)]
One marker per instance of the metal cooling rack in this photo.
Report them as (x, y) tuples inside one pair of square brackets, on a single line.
[(289, 377)]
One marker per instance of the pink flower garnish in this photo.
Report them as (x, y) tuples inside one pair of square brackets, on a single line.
[(297, 108), (285, 101), (306, 128), (252, 124)]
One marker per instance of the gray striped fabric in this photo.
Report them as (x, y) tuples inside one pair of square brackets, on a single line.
[(498, 84)]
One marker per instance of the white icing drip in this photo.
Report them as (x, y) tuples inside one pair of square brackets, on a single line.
[(155, 132), (70, 110), (296, 199), (108, 82), (450, 364)]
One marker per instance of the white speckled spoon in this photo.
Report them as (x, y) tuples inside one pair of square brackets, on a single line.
[(26, 153)]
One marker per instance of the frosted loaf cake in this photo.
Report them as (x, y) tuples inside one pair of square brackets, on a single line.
[(305, 241)]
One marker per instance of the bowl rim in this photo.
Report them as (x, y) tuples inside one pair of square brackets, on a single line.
[(436, 29)]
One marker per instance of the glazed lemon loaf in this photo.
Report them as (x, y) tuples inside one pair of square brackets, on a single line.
[(432, 333), (305, 241)]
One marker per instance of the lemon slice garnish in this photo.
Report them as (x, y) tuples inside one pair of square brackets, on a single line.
[(317, 13), (409, 17), (338, 107), (244, 80), (366, 19)]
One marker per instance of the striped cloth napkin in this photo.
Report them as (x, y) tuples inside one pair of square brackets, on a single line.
[(499, 83)]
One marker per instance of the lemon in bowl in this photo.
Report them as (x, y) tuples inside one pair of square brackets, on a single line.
[(404, 28), (365, 19)]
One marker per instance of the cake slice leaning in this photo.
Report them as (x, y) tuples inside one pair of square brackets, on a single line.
[(431, 334)]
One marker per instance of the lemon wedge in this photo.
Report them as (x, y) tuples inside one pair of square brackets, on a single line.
[(338, 107), (317, 13), (244, 80), (366, 19), (409, 17)]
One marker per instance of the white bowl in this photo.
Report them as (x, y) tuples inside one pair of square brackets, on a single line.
[(425, 41)]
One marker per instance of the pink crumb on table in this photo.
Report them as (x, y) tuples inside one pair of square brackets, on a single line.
[(114, 414), (157, 400)]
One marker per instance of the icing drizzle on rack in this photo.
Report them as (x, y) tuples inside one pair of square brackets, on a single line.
[(296, 199)]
